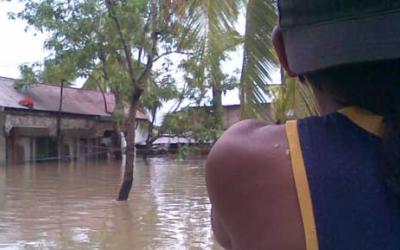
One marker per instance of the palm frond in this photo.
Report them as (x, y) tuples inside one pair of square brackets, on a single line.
[(293, 100), (259, 59), (306, 103)]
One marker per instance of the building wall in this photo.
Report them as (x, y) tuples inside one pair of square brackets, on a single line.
[(70, 126), (231, 116), (3, 188), (33, 136)]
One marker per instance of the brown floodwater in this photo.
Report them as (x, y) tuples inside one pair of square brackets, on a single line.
[(72, 206)]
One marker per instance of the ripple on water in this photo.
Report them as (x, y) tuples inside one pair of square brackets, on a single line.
[(72, 206)]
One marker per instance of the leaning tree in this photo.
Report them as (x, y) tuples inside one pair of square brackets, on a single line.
[(114, 42)]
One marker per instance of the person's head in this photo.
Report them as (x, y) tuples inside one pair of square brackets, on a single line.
[(350, 50)]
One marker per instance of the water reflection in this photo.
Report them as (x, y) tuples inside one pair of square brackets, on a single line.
[(72, 206)]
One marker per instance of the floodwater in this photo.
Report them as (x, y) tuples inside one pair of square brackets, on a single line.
[(72, 206)]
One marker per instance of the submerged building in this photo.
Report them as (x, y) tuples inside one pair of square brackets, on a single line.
[(31, 123)]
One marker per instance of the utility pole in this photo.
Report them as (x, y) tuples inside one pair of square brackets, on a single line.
[(59, 133)]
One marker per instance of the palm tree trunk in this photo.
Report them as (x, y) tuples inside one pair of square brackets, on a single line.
[(244, 105), (283, 77), (217, 107), (242, 86)]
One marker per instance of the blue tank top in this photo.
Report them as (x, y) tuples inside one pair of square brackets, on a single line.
[(343, 200)]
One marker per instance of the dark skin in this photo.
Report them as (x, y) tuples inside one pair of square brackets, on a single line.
[(251, 188), (250, 182)]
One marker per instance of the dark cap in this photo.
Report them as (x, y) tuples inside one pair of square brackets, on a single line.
[(320, 34)]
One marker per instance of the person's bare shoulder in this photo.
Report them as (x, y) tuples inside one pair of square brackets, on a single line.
[(246, 139), (243, 149), (250, 184)]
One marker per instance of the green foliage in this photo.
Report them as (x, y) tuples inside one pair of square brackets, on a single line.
[(211, 29), (84, 41), (28, 77), (306, 103), (259, 59), (161, 89), (293, 100), (186, 151), (72, 27), (194, 123)]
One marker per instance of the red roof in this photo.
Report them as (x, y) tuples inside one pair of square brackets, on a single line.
[(47, 97)]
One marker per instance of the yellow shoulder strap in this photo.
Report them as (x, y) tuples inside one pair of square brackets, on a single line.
[(364, 119), (302, 187)]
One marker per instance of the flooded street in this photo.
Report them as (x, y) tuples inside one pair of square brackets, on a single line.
[(72, 206)]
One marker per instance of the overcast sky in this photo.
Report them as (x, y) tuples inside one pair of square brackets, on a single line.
[(17, 46)]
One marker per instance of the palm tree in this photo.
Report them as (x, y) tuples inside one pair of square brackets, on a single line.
[(259, 59), (211, 25), (291, 98)]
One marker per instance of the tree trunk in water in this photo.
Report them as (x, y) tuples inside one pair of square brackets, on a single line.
[(148, 146), (117, 124), (130, 153), (149, 139), (137, 84)]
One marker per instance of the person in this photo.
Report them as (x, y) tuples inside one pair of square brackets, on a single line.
[(327, 182)]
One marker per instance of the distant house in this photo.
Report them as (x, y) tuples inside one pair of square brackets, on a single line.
[(232, 113), (172, 142), (28, 123), (197, 117)]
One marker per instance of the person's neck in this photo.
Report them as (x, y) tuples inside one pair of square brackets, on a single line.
[(329, 107), (327, 103)]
